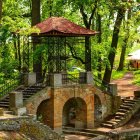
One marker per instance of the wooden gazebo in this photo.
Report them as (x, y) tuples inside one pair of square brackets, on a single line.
[(55, 31)]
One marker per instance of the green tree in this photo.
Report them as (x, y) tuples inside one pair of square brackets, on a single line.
[(115, 37), (0, 10), (37, 63)]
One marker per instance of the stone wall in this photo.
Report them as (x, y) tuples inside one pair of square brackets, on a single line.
[(128, 134), (29, 126), (110, 104)]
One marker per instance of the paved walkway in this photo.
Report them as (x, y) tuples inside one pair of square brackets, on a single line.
[(76, 137), (125, 86)]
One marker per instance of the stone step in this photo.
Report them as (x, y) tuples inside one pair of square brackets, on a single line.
[(39, 86), (120, 114), (28, 91), (9, 112), (130, 102), (125, 107), (4, 105), (127, 104), (119, 117), (123, 110), (79, 133), (111, 122), (4, 101), (28, 94), (115, 120), (107, 125), (24, 96), (33, 88)]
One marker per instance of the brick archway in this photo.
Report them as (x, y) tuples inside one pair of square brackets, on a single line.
[(44, 113), (58, 97), (75, 113), (64, 94)]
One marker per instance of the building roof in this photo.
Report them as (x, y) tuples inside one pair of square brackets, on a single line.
[(134, 55), (59, 26)]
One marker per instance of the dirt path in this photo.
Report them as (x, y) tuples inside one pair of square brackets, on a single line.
[(125, 86)]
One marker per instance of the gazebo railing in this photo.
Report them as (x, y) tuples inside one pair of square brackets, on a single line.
[(73, 79)]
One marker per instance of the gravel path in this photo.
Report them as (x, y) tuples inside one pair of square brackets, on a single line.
[(125, 86)]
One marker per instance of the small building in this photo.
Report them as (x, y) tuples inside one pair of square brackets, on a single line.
[(134, 59)]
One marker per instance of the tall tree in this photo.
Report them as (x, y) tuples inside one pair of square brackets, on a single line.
[(99, 67), (87, 9), (115, 37), (0, 10), (37, 63), (124, 45)]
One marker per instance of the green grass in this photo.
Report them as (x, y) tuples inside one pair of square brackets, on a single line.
[(136, 77), (118, 74)]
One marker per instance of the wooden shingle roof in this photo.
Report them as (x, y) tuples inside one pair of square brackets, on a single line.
[(59, 26)]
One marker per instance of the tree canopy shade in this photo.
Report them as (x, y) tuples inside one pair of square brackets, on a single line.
[(62, 27)]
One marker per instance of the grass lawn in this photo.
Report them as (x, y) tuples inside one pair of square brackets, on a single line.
[(136, 77), (118, 74)]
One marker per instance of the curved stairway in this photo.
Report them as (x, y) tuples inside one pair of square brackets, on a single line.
[(128, 108), (27, 93)]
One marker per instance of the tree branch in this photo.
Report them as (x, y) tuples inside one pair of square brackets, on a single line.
[(84, 15), (93, 11), (74, 53)]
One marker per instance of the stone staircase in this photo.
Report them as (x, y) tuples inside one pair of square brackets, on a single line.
[(27, 93), (128, 108), (82, 132)]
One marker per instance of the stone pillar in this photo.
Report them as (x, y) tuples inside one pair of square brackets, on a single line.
[(113, 89), (29, 78), (56, 79), (82, 78), (137, 93), (89, 77), (16, 103)]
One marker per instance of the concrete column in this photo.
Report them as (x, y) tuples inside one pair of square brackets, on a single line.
[(56, 79), (113, 89), (29, 78), (16, 103), (89, 77)]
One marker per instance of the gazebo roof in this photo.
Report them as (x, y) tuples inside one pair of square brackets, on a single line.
[(59, 26)]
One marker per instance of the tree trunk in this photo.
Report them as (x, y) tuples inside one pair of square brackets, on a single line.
[(37, 64), (124, 46), (19, 54), (87, 54), (99, 41), (15, 46), (122, 57), (111, 57), (0, 10), (87, 38)]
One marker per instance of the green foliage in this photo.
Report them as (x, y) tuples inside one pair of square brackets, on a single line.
[(118, 74), (15, 19), (136, 77)]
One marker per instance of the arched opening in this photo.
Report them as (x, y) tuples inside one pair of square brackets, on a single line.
[(75, 113), (97, 109), (45, 112)]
